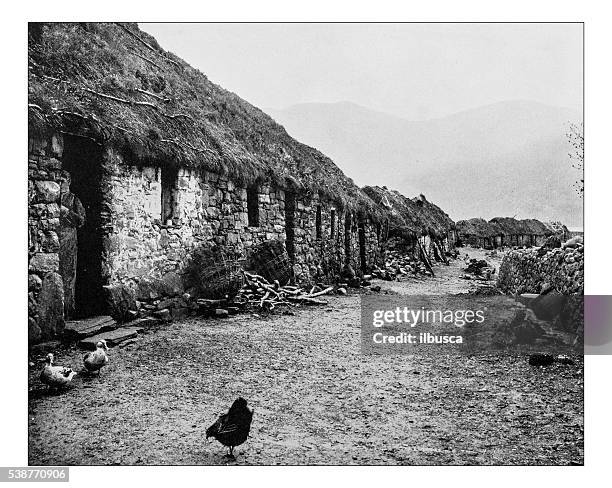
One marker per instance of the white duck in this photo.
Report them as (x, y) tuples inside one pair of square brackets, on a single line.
[(55, 376), (96, 360)]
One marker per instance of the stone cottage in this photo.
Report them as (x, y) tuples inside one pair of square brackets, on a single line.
[(162, 160), (503, 231), (415, 223)]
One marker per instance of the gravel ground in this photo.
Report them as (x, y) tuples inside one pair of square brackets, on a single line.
[(317, 399)]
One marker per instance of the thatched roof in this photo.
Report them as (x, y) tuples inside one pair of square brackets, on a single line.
[(501, 226), (113, 83), (535, 227), (475, 228), (411, 217), (509, 226)]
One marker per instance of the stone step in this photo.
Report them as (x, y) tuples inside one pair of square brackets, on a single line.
[(113, 337), (144, 322), (87, 327)]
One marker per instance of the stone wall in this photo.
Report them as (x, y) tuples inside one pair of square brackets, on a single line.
[(212, 208), (523, 271), (45, 287), (144, 253)]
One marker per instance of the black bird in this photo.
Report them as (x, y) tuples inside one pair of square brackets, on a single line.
[(232, 429)]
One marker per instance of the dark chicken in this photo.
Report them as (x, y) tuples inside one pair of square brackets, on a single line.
[(232, 429)]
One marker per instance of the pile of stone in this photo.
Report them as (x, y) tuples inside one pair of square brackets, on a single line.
[(480, 269), (398, 265)]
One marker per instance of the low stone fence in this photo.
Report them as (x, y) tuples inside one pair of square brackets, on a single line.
[(524, 271)]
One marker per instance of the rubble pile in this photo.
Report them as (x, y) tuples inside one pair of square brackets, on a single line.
[(397, 265), (478, 269)]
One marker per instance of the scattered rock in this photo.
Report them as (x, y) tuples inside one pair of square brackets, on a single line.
[(341, 291), (167, 303), (208, 304), (221, 313), (179, 313), (163, 315), (563, 359)]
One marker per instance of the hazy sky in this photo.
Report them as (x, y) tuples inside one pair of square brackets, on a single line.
[(415, 71)]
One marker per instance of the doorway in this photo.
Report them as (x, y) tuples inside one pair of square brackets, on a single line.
[(83, 160), (362, 246), (290, 224)]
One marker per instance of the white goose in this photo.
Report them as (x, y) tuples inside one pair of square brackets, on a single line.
[(55, 376), (96, 360)]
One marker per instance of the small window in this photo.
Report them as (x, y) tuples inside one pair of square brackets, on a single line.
[(253, 205), (332, 223), (169, 177), (318, 222)]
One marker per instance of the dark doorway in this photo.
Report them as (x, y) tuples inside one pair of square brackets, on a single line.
[(362, 246), (169, 179), (83, 160), (253, 205), (347, 237), (290, 224)]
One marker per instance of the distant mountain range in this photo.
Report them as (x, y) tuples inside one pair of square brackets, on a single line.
[(505, 159)]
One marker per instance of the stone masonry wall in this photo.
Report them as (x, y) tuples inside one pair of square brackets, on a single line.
[(144, 256), (45, 286), (523, 271), (207, 208), (212, 208)]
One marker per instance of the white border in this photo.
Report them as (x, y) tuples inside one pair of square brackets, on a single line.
[(13, 437)]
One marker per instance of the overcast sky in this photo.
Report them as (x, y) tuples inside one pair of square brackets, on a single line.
[(416, 71)]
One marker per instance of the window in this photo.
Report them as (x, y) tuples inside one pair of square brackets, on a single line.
[(253, 205), (318, 222), (169, 177), (332, 218)]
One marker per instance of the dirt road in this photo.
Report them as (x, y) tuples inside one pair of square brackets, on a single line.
[(317, 399)]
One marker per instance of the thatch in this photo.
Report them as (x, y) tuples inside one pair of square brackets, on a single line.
[(113, 83), (505, 226), (509, 226), (535, 227), (476, 227), (411, 217)]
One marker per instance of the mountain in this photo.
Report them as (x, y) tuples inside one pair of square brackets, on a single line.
[(505, 159)]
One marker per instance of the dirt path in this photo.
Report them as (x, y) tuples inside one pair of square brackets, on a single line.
[(317, 399), (449, 279)]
